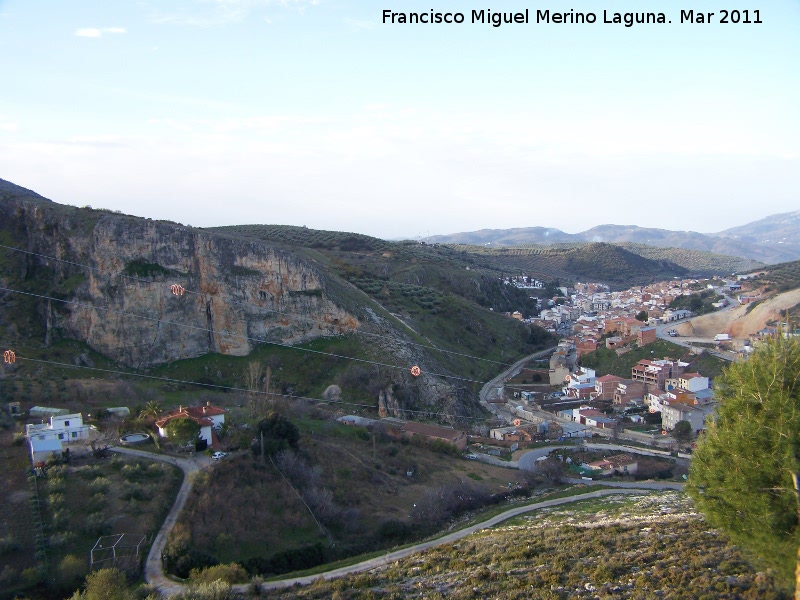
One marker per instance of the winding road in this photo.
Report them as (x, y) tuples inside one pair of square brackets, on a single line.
[(154, 572), (153, 569)]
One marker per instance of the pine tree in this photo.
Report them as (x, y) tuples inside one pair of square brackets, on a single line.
[(743, 472)]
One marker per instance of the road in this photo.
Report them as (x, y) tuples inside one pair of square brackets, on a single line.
[(500, 379), (391, 557), (153, 568), (154, 573), (687, 342)]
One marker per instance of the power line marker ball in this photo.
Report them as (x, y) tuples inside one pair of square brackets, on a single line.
[(415, 371)]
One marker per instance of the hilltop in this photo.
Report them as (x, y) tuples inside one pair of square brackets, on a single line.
[(773, 239)]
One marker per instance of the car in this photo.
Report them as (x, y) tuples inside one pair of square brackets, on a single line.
[(218, 455)]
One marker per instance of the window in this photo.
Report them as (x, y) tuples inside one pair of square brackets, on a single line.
[(61, 436), (74, 434), (66, 423)]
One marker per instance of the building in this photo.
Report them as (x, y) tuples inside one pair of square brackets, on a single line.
[(654, 373), (627, 391), (208, 417), (41, 450), (646, 335), (674, 412), (605, 386), (64, 428), (411, 429), (619, 464)]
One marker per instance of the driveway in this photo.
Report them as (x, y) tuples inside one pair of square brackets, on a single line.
[(153, 570)]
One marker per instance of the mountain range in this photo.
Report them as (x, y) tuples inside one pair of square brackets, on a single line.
[(770, 240)]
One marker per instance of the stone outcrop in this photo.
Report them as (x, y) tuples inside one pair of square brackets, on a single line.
[(238, 292)]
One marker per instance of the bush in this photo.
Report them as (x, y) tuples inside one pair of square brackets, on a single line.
[(230, 573), (100, 485), (96, 524), (8, 544), (71, 570)]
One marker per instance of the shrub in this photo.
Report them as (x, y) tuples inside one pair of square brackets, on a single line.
[(71, 570), (8, 544), (97, 524), (100, 485), (230, 573)]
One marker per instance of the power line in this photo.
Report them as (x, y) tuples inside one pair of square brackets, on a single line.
[(231, 335), (261, 308), (228, 388)]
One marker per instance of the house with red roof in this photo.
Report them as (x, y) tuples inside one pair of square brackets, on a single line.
[(208, 417)]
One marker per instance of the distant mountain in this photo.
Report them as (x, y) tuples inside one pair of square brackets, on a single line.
[(771, 240)]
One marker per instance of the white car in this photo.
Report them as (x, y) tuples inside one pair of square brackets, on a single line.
[(218, 455)]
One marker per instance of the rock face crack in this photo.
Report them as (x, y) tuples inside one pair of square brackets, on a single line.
[(210, 326)]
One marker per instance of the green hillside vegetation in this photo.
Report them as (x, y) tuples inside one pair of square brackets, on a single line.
[(781, 278), (647, 546), (356, 485), (606, 263), (605, 361), (698, 262), (699, 303)]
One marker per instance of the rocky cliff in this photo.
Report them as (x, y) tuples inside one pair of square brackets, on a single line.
[(237, 292)]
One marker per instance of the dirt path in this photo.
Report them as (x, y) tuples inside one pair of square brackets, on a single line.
[(153, 569)]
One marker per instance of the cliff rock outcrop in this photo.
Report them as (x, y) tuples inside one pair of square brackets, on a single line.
[(238, 292)]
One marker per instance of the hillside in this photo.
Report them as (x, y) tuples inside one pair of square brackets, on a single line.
[(88, 288), (645, 546), (606, 263), (773, 239)]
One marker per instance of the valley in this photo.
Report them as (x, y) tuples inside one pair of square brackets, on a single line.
[(360, 395)]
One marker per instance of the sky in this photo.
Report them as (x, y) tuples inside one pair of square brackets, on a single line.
[(316, 113)]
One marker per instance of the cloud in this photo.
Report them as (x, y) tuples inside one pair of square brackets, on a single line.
[(94, 32), (214, 13)]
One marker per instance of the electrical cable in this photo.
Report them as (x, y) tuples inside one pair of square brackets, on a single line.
[(228, 388), (231, 335), (261, 308)]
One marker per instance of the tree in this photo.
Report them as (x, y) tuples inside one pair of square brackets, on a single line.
[(277, 433), (642, 316), (742, 475), (151, 410), (682, 432), (105, 584), (100, 439), (182, 432)]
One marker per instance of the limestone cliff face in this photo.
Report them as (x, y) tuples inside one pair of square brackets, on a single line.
[(238, 292)]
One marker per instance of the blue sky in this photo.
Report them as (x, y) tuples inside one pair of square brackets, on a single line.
[(313, 112)]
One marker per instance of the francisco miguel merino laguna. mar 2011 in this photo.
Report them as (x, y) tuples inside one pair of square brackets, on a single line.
[(496, 19)]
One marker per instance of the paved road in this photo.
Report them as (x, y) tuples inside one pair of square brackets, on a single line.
[(661, 331), (154, 574), (153, 569), (500, 379), (447, 539)]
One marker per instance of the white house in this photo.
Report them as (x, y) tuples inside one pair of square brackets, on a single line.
[(672, 414), (65, 428), (41, 450), (208, 417)]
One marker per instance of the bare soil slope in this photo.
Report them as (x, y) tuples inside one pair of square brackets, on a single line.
[(738, 322)]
